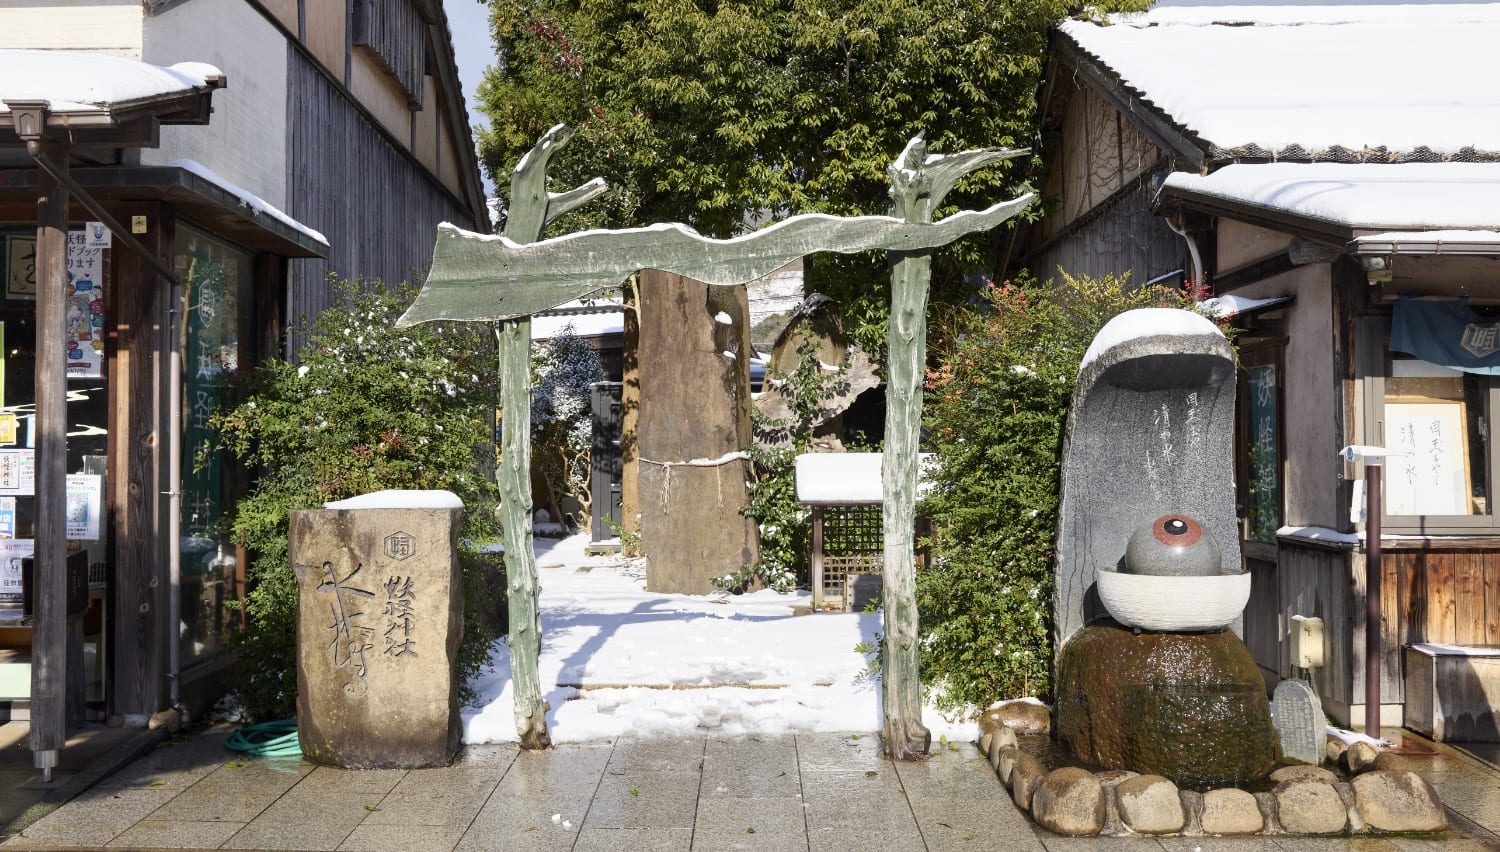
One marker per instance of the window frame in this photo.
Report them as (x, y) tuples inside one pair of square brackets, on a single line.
[(1375, 367)]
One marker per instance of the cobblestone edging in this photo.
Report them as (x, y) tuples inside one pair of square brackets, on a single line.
[(1306, 800)]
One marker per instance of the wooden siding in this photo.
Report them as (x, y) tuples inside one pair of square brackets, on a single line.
[(1123, 236), (376, 205), (1445, 595), (395, 36)]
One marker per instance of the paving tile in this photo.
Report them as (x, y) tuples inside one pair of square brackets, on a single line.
[(863, 840), (727, 823), (407, 838), (962, 774), (967, 824), (840, 752), (437, 806), (569, 769), (632, 755), (1221, 844), (751, 770), (265, 834), (94, 818), (199, 803), (645, 799), (634, 840), (262, 775), (523, 828), (314, 808), (331, 779), (176, 834), (848, 802), (1055, 843)]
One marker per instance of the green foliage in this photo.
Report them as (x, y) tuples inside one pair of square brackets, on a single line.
[(785, 525), (719, 113), (366, 407), (562, 422), (995, 410)]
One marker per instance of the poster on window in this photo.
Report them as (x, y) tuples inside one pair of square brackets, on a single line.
[(82, 508), (84, 308), (1431, 475), (18, 472)]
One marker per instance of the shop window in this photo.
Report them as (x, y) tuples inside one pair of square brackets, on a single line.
[(216, 279), (1436, 417)]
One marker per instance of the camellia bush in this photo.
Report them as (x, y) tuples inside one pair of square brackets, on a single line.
[(366, 406), (995, 411)]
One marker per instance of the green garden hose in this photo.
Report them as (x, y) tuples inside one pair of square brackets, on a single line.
[(268, 739)]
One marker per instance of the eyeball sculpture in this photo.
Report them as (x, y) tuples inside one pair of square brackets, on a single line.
[(1173, 546), (1173, 580)]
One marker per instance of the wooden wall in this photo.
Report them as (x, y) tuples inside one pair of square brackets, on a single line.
[(1449, 595), (1122, 236), (376, 205)]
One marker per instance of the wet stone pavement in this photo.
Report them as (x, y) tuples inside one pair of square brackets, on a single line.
[(809, 791)]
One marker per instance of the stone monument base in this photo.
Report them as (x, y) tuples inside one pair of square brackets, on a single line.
[(379, 620), (1188, 706)]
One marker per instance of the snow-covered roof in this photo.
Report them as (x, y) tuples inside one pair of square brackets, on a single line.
[(1230, 305), (1398, 196), (1296, 81), (93, 82), (249, 200)]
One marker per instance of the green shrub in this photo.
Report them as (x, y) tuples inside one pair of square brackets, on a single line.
[(365, 407), (562, 421), (995, 410)]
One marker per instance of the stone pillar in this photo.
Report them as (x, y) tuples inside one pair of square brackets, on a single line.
[(379, 619), (695, 406)]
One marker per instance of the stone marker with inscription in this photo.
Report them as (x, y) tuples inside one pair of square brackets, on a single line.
[(1298, 716), (379, 620)]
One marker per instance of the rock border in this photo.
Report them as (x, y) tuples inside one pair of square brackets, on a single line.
[(1306, 801)]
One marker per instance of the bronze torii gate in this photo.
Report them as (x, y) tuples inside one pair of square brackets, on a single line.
[(509, 278)]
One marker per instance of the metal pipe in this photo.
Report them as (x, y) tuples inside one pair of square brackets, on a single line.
[(1200, 274), (1372, 598), (174, 502)]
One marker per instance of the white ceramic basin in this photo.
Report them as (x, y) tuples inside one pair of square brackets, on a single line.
[(1164, 604)]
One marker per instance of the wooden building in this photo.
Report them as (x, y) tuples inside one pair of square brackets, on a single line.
[(1329, 172), (336, 140)]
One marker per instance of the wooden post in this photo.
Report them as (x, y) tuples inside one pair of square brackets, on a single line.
[(918, 185), (48, 637)]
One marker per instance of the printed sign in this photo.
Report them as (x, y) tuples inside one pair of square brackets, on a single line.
[(82, 507), (18, 472)]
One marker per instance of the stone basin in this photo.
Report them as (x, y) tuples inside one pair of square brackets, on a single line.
[(1168, 604)]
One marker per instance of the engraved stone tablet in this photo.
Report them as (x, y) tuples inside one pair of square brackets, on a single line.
[(379, 619), (1298, 716)]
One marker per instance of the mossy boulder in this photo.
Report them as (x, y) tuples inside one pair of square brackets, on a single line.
[(1188, 706)]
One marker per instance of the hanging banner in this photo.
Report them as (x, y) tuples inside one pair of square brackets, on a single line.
[(1448, 333), (84, 308)]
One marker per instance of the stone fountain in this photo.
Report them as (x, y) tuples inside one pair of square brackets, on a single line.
[(1152, 675)]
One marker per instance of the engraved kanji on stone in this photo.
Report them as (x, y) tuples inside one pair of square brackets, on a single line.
[(400, 545)]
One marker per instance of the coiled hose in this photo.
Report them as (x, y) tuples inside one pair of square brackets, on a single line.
[(267, 739)]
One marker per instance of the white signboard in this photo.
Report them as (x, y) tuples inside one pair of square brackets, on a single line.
[(83, 505), (1431, 479)]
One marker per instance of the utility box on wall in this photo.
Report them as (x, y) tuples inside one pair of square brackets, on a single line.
[(1306, 640)]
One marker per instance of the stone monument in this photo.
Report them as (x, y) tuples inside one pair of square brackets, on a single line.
[(379, 619), (1148, 577), (1299, 722)]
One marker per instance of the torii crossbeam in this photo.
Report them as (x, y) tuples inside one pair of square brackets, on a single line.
[(476, 277)]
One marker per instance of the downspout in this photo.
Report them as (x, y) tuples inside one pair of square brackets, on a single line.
[(1200, 274), (174, 503)]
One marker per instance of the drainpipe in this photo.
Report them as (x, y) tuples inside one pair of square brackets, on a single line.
[(1192, 245), (174, 503), (1372, 457)]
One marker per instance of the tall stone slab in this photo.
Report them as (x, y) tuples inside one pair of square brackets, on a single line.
[(1149, 434), (1300, 725), (694, 361), (379, 620)]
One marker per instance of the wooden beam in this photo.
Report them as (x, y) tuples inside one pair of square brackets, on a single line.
[(48, 637)]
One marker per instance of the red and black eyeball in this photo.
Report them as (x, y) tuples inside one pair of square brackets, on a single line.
[(1173, 545)]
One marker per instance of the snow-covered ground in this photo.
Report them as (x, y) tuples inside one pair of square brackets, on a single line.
[(618, 660)]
